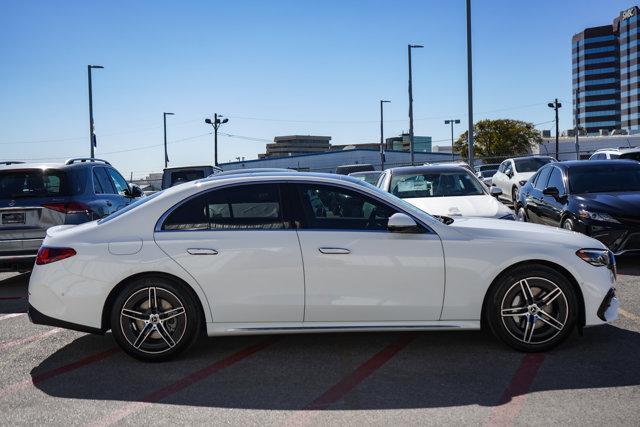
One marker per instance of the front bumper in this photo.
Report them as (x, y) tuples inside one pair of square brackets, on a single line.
[(38, 318), (619, 238), (608, 310)]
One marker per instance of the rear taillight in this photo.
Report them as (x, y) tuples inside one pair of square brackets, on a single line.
[(69, 208), (47, 255)]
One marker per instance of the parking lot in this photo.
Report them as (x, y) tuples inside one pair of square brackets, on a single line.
[(63, 377)]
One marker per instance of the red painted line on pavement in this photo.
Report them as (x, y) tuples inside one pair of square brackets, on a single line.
[(348, 383), (11, 315), (47, 375), (183, 383), (516, 392), (8, 344)]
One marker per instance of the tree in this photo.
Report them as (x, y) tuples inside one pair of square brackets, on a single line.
[(498, 139)]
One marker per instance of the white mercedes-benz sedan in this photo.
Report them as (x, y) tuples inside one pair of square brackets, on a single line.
[(290, 252), (445, 190)]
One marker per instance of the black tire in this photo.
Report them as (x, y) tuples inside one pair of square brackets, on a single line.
[(532, 308), (514, 196), (155, 333), (567, 224), (521, 214)]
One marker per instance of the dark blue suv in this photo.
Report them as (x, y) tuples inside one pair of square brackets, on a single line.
[(34, 197)]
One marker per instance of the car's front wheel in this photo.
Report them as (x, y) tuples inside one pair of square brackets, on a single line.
[(154, 319), (521, 214), (532, 308)]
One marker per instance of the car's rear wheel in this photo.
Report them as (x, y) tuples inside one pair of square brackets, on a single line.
[(532, 308), (514, 196), (154, 319)]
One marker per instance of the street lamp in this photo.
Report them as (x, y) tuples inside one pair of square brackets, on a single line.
[(218, 120), (409, 47), (470, 139), (164, 119), (555, 105), (382, 134), (92, 134), (452, 122)]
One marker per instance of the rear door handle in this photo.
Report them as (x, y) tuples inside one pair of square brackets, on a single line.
[(202, 251), (334, 251)]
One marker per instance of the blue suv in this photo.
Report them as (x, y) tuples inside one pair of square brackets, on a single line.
[(34, 197)]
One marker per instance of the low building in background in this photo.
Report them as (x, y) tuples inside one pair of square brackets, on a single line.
[(330, 160), (293, 145), (587, 145), (421, 144)]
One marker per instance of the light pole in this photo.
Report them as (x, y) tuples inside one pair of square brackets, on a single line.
[(166, 156), (469, 85), (452, 122), (92, 134), (218, 120), (409, 47), (555, 105), (382, 134)]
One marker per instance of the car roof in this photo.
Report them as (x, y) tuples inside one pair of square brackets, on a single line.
[(252, 170), (530, 157), (363, 173), (586, 163), (408, 170), (22, 166), (190, 167)]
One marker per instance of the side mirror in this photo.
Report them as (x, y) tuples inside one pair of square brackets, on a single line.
[(509, 173), (551, 191), (495, 191), (401, 223), (135, 191)]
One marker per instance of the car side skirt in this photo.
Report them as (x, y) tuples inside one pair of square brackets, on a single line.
[(219, 329)]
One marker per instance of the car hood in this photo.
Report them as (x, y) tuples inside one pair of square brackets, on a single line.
[(621, 204), (474, 206), (515, 231)]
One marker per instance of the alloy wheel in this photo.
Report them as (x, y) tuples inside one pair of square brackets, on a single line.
[(534, 310), (153, 320), (521, 215)]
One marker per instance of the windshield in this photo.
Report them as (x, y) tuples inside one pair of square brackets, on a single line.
[(604, 178), (27, 183), (436, 184), (488, 173), (370, 177), (531, 164), (129, 207)]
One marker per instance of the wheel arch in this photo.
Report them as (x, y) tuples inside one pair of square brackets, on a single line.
[(108, 304), (560, 269)]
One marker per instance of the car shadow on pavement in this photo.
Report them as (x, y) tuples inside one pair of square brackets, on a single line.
[(434, 370)]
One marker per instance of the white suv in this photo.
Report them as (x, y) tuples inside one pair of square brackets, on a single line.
[(616, 153), (514, 173)]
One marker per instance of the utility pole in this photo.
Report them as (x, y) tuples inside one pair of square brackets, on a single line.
[(218, 120), (166, 155), (92, 133), (469, 85), (577, 127), (409, 47), (382, 134), (556, 105), (452, 122)]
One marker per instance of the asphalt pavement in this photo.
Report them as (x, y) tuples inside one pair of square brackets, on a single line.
[(55, 376)]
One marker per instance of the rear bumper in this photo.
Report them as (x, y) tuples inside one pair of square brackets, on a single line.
[(42, 319)]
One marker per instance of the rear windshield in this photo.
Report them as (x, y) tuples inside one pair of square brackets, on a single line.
[(604, 178), (179, 177), (438, 184), (532, 164), (25, 183), (630, 156)]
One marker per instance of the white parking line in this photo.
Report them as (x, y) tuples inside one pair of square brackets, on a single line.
[(11, 315)]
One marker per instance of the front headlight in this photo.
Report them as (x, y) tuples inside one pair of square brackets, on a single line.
[(597, 216), (598, 258), (510, 216)]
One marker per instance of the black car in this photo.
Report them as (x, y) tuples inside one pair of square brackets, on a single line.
[(600, 198)]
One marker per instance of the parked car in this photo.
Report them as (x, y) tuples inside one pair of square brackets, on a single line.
[(486, 172), (616, 153), (295, 253), (179, 175), (444, 191), (347, 169), (370, 177), (514, 173), (34, 197), (599, 198), (459, 163)]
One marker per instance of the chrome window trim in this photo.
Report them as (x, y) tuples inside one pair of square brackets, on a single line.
[(160, 221)]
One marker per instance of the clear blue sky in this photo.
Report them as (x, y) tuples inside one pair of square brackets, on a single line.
[(309, 67)]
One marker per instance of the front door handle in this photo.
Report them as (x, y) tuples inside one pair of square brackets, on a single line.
[(334, 251), (202, 251)]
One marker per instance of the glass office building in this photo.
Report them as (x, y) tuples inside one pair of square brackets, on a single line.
[(605, 76)]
